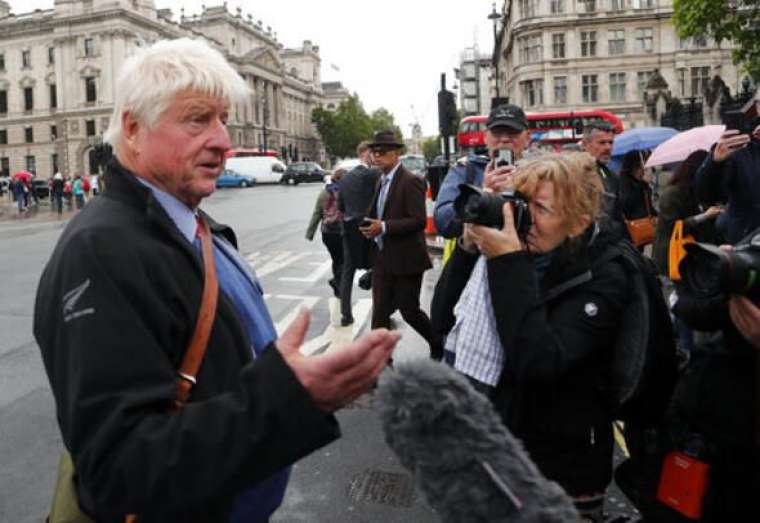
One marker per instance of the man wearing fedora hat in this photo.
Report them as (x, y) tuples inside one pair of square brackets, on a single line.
[(396, 223), (507, 128)]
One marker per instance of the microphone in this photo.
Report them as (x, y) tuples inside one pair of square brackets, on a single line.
[(467, 464)]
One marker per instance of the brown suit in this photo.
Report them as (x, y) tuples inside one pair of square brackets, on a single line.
[(397, 268)]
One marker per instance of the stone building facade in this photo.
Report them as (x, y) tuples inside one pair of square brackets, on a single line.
[(474, 75), (58, 68), (334, 93), (562, 55)]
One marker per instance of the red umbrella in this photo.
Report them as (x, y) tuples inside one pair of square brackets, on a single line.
[(24, 176)]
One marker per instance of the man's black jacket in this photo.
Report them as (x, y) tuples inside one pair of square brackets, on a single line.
[(115, 309)]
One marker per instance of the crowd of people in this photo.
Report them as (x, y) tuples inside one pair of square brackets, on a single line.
[(196, 409), (62, 190)]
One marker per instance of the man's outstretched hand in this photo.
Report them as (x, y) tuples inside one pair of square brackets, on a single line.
[(337, 378)]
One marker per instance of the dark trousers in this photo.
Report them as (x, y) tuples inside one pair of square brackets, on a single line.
[(391, 293), (58, 202), (334, 244), (354, 257)]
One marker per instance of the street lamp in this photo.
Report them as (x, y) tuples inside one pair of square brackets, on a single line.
[(494, 17)]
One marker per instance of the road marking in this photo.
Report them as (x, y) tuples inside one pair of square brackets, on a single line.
[(279, 262), (334, 336), (305, 301), (314, 276)]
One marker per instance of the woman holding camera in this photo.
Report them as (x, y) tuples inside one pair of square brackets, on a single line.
[(533, 319)]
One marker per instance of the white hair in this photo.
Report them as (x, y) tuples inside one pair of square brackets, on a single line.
[(151, 78)]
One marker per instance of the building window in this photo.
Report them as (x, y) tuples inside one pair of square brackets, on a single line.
[(644, 40), (5, 166), (3, 102), (54, 163), (91, 92), (617, 87), (51, 55), (558, 45), (528, 8), (28, 134), (53, 133), (682, 82), (699, 78), (588, 43), (53, 96), (2, 62), (589, 6), (531, 50), (616, 41), (28, 99), (3, 137), (642, 79), (90, 127), (89, 47), (643, 4), (557, 6), (26, 59), (31, 164), (533, 92), (560, 89), (617, 5), (700, 41), (589, 88)]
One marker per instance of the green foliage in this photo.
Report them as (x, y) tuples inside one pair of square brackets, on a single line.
[(431, 148), (342, 130), (734, 20)]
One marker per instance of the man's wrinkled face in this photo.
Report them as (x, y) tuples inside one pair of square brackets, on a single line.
[(184, 152), (385, 158), (507, 138), (599, 145)]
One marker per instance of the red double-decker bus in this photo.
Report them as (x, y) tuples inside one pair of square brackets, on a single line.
[(242, 153), (553, 129)]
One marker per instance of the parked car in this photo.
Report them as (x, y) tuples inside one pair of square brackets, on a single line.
[(266, 169), (347, 164), (298, 172), (232, 179), (41, 188), (414, 163)]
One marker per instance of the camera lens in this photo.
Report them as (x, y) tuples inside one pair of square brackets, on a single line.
[(704, 271)]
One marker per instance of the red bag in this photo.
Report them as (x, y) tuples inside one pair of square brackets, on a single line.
[(683, 484), (86, 184)]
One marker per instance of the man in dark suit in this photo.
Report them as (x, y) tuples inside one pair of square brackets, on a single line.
[(396, 224), (354, 198)]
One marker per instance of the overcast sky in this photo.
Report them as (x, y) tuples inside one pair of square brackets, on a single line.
[(390, 52)]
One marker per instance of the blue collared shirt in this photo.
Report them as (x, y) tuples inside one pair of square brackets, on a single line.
[(236, 278)]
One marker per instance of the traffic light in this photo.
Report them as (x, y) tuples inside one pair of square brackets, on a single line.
[(447, 113)]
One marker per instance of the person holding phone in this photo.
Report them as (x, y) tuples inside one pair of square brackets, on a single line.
[(506, 130), (731, 173)]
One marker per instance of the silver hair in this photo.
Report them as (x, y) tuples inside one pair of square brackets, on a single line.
[(152, 77)]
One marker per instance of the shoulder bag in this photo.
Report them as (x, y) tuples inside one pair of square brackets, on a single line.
[(677, 250), (65, 507), (641, 230)]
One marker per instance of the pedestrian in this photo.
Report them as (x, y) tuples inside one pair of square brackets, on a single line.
[(326, 211), (396, 224), (354, 198), (533, 326), (19, 192), (598, 138), (95, 180), (730, 175), (131, 289), (56, 192), (635, 192), (506, 128), (67, 188), (77, 189)]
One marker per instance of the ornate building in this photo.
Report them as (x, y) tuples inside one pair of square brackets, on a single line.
[(561, 55), (58, 67)]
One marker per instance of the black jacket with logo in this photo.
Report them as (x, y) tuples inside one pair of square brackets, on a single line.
[(116, 307)]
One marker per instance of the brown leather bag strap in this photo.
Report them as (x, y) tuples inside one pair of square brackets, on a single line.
[(197, 347)]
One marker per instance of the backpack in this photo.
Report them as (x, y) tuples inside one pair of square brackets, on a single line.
[(331, 216), (644, 364)]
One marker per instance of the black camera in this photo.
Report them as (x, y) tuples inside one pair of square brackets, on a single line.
[(709, 271), (474, 205)]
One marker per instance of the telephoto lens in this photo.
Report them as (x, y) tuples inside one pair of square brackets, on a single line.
[(474, 205), (709, 271)]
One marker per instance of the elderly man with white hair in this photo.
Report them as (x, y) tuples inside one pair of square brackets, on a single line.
[(175, 398)]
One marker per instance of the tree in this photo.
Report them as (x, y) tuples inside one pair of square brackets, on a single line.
[(735, 20), (431, 148), (382, 120), (342, 130)]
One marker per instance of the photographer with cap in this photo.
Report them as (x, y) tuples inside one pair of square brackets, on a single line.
[(506, 128)]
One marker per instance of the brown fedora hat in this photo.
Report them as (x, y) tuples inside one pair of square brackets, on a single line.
[(385, 140)]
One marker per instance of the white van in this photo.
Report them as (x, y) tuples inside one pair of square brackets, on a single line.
[(266, 169)]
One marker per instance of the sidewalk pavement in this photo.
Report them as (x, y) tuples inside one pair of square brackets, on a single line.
[(42, 212)]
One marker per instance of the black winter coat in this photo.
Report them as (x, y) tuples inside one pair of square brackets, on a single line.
[(111, 350), (557, 352)]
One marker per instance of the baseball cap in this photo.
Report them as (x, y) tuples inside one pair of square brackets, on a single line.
[(507, 115)]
